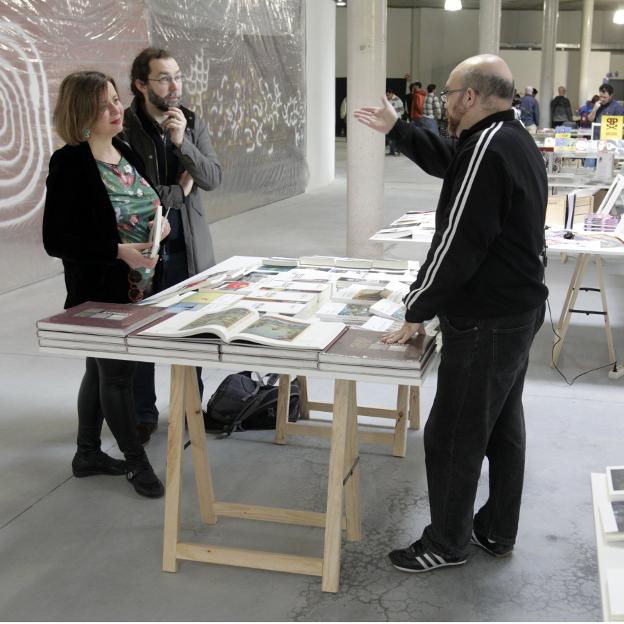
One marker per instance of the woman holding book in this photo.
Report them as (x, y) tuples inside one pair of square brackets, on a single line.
[(98, 213)]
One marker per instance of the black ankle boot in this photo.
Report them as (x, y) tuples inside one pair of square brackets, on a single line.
[(88, 463), (145, 482)]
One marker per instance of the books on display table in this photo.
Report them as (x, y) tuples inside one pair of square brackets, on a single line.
[(112, 319)]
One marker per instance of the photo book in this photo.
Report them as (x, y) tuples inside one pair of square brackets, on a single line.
[(615, 483), (242, 324), (612, 518), (91, 317), (358, 347)]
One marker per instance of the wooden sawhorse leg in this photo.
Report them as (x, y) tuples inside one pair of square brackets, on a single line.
[(343, 482), (185, 402), (407, 412), (343, 490), (570, 302)]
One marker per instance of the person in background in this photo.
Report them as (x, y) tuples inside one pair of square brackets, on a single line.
[(178, 155), (99, 208), (432, 110), (343, 117), (417, 103), (483, 278), (584, 111), (606, 105), (560, 108), (399, 109), (529, 110)]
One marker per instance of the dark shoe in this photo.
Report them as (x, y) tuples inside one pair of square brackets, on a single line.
[(89, 463), (417, 558), (144, 481), (144, 431), (493, 548)]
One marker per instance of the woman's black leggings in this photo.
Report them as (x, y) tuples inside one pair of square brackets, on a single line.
[(106, 394)]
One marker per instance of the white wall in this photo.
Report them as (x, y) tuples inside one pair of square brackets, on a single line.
[(320, 92)]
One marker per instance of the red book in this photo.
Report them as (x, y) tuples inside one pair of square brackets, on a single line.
[(112, 319)]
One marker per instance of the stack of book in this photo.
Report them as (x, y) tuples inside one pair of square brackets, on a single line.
[(611, 509), (93, 326), (601, 223), (358, 350)]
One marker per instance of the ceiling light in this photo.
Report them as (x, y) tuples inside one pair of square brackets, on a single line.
[(452, 5), (341, 2), (618, 17)]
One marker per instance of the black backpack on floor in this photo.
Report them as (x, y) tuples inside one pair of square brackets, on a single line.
[(242, 403)]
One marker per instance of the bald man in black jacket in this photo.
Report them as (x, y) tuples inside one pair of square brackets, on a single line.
[(483, 277)]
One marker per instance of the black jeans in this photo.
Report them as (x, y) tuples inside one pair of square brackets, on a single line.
[(174, 270), (477, 412), (106, 394)]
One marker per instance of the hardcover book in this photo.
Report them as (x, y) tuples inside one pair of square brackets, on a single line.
[(115, 319), (245, 325), (345, 312), (615, 483), (615, 593), (359, 347), (612, 517)]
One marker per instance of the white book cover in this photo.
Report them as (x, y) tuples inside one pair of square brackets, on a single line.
[(280, 261), (347, 311), (377, 323), (293, 296), (303, 275), (156, 232), (317, 287), (81, 345), (269, 363), (244, 324), (317, 260), (172, 353), (389, 309), (241, 348), (287, 308), (615, 593), (615, 483), (358, 293), (75, 337), (612, 518)]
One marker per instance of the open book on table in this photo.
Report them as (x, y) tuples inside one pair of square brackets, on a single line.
[(241, 324)]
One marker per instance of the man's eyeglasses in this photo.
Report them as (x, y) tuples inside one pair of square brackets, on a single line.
[(444, 94), (167, 80)]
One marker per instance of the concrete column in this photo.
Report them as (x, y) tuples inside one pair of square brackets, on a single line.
[(320, 92), (586, 40), (489, 26), (549, 43), (366, 78)]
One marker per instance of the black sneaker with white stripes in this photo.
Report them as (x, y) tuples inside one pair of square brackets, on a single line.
[(417, 558), (493, 548)]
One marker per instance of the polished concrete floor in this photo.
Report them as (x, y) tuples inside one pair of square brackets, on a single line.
[(90, 549)]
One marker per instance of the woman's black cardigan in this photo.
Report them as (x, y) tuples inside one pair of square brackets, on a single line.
[(80, 227)]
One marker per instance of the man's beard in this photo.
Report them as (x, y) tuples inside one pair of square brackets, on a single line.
[(454, 121), (160, 102)]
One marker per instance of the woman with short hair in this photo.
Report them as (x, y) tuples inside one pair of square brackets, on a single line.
[(98, 212)]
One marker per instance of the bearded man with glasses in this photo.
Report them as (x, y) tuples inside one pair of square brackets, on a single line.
[(178, 155), (483, 278)]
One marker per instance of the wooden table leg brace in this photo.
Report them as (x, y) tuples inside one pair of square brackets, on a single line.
[(343, 486), (406, 413)]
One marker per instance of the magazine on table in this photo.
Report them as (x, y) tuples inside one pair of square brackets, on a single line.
[(389, 308), (243, 324), (92, 317), (345, 312)]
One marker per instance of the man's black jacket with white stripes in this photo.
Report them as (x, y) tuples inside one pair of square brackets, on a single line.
[(485, 257)]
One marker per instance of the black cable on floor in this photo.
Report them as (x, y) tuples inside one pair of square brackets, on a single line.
[(552, 353)]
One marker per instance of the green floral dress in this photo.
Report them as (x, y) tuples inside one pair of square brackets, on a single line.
[(134, 202)]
